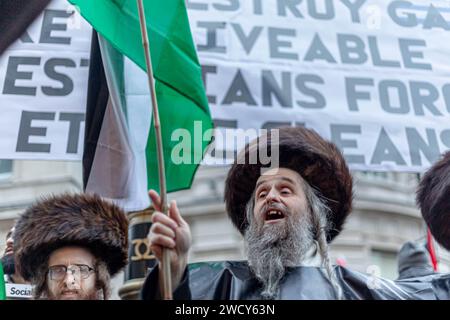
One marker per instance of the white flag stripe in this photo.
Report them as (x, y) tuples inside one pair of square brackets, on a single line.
[(119, 168)]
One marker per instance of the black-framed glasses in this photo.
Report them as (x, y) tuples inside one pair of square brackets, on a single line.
[(59, 272)]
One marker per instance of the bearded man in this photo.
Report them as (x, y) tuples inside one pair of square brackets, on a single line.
[(7, 261), (69, 246), (287, 214)]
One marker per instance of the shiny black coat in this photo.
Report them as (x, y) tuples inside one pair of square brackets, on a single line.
[(233, 280)]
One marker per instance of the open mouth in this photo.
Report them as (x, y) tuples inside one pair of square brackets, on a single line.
[(274, 215)]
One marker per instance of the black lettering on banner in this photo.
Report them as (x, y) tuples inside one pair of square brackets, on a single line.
[(319, 10), (446, 94), (417, 145), (48, 26), (377, 60), (239, 92), (275, 124), (337, 130), (408, 54), (405, 15), (389, 86), (351, 49), (354, 6), (434, 19), (319, 100), (223, 123), (318, 51), (26, 131), (211, 37), (208, 69), (416, 97), (278, 124), (247, 41), (353, 95), (329, 13), (84, 62), (74, 120), (285, 6), (257, 7), (386, 151), (13, 74), (194, 5), (50, 70), (232, 5), (276, 44), (424, 94), (445, 138), (282, 92), (396, 11)]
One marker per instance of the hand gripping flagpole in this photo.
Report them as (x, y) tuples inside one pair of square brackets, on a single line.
[(166, 274)]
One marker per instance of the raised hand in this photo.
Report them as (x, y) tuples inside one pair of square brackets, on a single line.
[(171, 232)]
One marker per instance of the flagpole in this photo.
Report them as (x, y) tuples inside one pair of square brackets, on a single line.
[(166, 274)]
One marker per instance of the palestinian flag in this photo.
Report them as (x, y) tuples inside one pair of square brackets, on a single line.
[(2, 284), (120, 159), (15, 17)]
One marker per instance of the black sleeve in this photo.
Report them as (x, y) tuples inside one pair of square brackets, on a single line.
[(150, 289), (441, 286)]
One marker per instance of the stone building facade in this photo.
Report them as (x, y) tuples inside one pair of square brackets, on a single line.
[(383, 218)]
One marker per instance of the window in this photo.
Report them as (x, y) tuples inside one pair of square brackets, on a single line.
[(386, 262), (5, 168)]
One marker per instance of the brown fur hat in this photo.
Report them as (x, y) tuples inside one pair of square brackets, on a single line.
[(433, 198), (318, 161), (71, 219)]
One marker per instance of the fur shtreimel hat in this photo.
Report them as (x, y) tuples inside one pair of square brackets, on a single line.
[(318, 161), (433, 198), (71, 219)]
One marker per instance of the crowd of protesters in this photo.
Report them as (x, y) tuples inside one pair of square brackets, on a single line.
[(69, 246)]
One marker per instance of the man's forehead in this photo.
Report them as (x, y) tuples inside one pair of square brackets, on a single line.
[(71, 255), (279, 174), (10, 232)]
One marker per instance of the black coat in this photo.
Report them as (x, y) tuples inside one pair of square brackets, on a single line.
[(233, 280)]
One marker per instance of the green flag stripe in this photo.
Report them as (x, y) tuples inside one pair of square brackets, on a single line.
[(179, 87), (2, 284), (176, 112), (171, 41), (178, 176)]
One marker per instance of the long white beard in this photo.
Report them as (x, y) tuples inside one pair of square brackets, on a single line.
[(273, 247)]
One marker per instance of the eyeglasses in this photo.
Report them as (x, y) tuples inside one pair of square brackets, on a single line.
[(59, 272)]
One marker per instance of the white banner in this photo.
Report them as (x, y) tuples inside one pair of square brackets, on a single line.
[(372, 76), (16, 291), (43, 87)]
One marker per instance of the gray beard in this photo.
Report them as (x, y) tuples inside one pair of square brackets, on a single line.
[(273, 247)]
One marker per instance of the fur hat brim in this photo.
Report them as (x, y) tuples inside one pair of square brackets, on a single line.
[(433, 198), (66, 220), (319, 162)]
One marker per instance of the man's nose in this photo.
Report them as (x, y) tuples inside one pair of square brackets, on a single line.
[(70, 280), (9, 241), (273, 196)]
